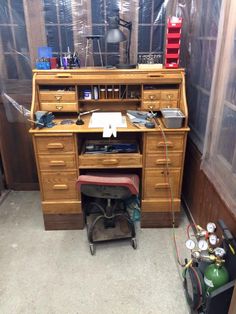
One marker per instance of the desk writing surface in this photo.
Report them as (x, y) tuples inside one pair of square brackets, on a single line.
[(74, 128)]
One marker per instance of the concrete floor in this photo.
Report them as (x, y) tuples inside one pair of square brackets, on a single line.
[(53, 272)]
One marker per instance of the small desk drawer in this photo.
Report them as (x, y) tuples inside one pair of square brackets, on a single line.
[(128, 160), (54, 144), (169, 104), (156, 184), (57, 162), (169, 94), (151, 95), (154, 105), (59, 106), (160, 160), (57, 96), (59, 185), (156, 143)]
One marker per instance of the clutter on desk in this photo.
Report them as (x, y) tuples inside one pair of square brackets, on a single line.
[(44, 119), (142, 117), (46, 61), (108, 147)]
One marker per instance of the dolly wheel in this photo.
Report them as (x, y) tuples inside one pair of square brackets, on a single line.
[(92, 248), (134, 243)]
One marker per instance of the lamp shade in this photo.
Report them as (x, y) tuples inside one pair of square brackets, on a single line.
[(114, 36)]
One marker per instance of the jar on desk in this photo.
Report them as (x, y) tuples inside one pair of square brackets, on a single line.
[(109, 93), (102, 93), (116, 93)]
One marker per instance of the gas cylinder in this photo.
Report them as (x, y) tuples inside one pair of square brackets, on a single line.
[(215, 276)]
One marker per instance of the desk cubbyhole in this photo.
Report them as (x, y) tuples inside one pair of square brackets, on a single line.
[(148, 87), (57, 88)]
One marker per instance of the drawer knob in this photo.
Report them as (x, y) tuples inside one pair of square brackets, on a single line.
[(165, 172), (59, 107), (55, 146), (63, 75), (60, 187), (57, 163), (155, 75), (152, 97), (110, 162), (162, 186), (58, 97), (164, 144), (169, 96)]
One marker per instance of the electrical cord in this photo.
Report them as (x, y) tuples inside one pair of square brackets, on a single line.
[(167, 178)]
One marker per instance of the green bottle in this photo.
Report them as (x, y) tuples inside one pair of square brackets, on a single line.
[(215, 276)]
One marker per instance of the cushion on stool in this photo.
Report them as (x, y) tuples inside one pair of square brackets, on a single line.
[(130, 181)]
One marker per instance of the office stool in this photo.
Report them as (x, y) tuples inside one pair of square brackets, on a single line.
[(89, 40), (108, 193)]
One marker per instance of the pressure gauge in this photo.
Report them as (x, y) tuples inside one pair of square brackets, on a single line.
[(219, 251), (213, 239), (190, 244), (211, 227), (202, 244)]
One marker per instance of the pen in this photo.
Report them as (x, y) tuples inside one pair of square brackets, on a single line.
[(90, 111)]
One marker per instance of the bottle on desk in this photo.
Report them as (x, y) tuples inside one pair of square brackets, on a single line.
[(102, 93), (109, 93)]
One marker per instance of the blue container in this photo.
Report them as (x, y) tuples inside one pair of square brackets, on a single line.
[(44, 52), (87, 94), (42, 65)]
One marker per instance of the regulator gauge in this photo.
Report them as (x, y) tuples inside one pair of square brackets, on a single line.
[(219, 251), (211, 227), (213, 239), (190, 244), (202, 245)]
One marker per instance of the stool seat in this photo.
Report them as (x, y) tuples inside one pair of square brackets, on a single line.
[(128, 181), (116, 189)]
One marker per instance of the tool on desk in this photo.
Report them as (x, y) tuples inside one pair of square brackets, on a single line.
[(79, 121), (137, 125), (44, 119), (67, 121), (149, 125)]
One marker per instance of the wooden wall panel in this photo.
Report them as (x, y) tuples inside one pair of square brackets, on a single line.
[(16, 147), (200, 197)]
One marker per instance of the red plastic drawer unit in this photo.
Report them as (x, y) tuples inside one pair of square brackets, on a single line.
[(173, 36)]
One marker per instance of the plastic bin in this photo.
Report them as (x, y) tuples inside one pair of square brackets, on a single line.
[(172, 118)]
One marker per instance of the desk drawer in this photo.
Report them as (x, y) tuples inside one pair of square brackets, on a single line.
[(57, 96), (59, 106), (169, 94), (57, 162), (160, 160), (59, 185), (154, 105), (54, 144), (156, 142), (151, 95), (159, 104), (129, 160), (156, 184)]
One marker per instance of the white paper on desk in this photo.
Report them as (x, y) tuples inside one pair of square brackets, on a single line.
[(112, 119), (108, 131), (109, 121)]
